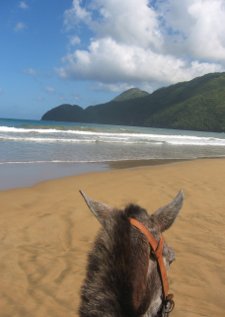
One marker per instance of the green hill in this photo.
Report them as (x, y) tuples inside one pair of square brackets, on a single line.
[(198, 104), (131, 94)]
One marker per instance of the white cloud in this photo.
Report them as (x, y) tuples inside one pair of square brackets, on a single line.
[(129, 64), (30, 71), (20, 26), (131, 21), (50, 89), (118, 87), (73, 16), (23, 5), (74, 40), (134, 43), (197, 27)]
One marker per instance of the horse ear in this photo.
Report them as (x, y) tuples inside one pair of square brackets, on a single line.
[(166, 215), (101, 211)]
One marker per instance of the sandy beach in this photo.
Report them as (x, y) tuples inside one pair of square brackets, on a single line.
[(46, 231)]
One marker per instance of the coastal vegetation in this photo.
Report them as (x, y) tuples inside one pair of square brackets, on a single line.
[(198, 104)]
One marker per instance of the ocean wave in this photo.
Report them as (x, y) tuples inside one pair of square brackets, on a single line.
[(73, 161), (46, 162), (50, 135), (45, 140), (79, 141), (78, 131), (147, 140), (106, 161), (84, 161), (32, 130)]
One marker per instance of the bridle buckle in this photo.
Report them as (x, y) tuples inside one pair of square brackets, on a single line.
[(168, 305)]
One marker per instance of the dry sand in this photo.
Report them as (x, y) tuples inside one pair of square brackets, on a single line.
[(46, 232)]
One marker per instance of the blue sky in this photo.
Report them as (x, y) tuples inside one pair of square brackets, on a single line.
[(86, 52)]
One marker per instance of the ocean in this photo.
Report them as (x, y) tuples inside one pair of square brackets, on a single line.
[(33, 151)]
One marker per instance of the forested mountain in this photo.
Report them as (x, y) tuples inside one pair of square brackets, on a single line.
[(198, 104)]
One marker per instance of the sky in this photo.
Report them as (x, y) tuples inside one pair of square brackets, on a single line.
[(87, 52)]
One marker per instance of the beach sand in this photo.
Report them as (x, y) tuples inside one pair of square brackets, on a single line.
[(47, 230)]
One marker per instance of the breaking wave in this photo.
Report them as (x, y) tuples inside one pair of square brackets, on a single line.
[(50, 135)]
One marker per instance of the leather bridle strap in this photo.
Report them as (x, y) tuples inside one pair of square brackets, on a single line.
[(157, 249)]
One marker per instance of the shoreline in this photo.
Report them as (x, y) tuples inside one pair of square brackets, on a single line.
[(47, 231), (141, 163), (15, 176), (25, 175)]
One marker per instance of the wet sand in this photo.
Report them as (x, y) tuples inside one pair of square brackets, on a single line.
[(47, 230)]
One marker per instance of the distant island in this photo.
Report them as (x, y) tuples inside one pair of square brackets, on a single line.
[(198, 104)]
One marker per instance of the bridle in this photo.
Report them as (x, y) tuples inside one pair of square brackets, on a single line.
[(157, 250)]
